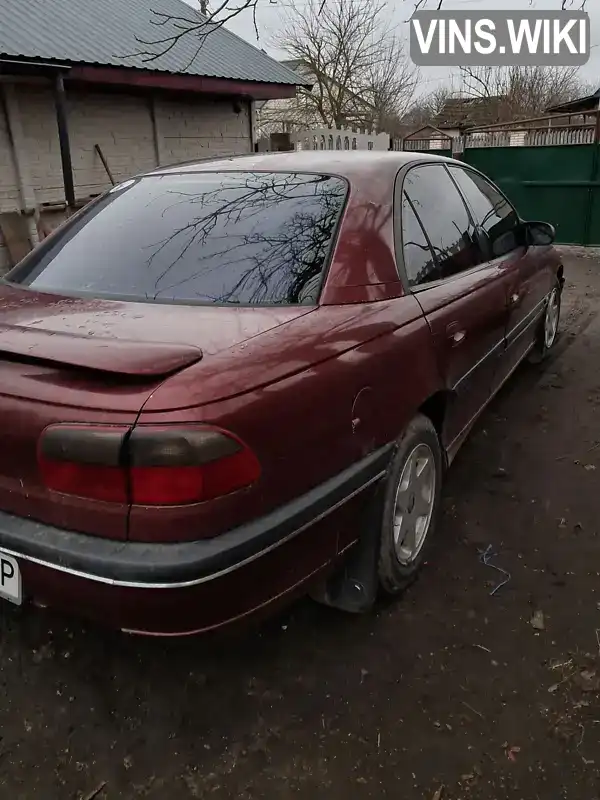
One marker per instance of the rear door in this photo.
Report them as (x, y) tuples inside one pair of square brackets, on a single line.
[(462, 296), (528, 283)]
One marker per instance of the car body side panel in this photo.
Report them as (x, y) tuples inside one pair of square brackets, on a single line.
[(363, 266), (351, 380)]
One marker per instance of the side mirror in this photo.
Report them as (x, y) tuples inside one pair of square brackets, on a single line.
[(539, 233)]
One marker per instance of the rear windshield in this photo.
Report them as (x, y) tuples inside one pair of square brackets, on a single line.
[(229, 237)]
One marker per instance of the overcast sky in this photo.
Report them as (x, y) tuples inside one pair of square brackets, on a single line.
[(269, 20)]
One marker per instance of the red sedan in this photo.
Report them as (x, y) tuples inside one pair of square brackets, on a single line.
[(227, 382)]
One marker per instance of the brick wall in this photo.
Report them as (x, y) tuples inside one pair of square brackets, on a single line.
[(186, 128), (212, 128), (121, 125), (40, 146)]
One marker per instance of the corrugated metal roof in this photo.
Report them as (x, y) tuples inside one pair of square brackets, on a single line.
[(110, 32)]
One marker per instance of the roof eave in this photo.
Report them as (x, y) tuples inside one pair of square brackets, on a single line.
[(576, 105), (137, 78), (149, 79), (158, 79)]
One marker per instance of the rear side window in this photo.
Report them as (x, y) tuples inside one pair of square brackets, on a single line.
[(444, 217), (491, 209), (222, 238)]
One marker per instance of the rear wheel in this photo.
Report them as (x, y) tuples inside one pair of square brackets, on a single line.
[(548, 330), (410, 506)]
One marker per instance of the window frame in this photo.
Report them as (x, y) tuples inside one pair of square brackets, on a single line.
[(399, 191), (468, 168)]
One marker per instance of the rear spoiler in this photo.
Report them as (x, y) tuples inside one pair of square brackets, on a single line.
[(125, 357)]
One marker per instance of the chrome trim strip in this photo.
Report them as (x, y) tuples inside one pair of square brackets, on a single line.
[(454, 445), (478, 364), (206, 578), (527, 321), (525, 324)]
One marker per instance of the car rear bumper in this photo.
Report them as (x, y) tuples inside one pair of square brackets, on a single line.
[(171, 588)]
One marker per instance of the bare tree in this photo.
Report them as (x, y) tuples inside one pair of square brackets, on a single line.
[(388, 86), (359, 72), (427, 107), (521, 91)]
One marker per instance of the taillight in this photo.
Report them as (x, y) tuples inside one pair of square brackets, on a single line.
[(170, 465), (85, 461), (177, 466)]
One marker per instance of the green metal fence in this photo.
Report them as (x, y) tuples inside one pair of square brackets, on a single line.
[(555, 184)]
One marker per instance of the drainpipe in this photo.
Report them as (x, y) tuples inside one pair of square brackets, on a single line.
[(252, 126), (60, 100), (155, 130)]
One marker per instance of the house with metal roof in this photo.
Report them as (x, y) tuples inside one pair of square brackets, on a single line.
[(95, 91), (581, 105)]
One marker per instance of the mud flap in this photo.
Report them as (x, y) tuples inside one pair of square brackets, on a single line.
[(354, 586)]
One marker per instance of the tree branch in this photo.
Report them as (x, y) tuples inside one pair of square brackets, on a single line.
[(565, 5), (202, 23)]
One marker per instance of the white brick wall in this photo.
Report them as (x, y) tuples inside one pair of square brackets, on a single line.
[(197, 130), (41, 148), (187, 128), (121, 124)]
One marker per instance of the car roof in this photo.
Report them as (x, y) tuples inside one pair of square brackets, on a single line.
[(349, 164)]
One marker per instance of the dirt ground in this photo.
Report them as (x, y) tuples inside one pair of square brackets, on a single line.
[(452, 687)]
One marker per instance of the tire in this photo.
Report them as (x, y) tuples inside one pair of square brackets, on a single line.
[(399, 563), (548, 331)]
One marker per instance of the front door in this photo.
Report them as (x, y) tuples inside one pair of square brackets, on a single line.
[(462, 296), (526, 280)]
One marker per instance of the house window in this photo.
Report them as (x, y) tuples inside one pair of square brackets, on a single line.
[(330, 142), (369, 145), (338, 143), (346, 143), (354, 143)]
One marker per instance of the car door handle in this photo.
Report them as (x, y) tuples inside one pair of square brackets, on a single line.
[(455, 334)]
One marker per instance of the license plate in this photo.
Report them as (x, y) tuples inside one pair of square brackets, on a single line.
[(10, 579)]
